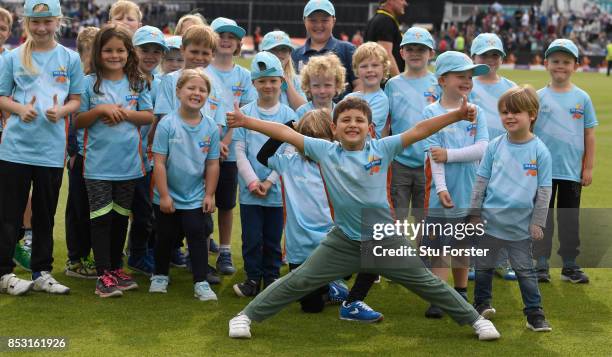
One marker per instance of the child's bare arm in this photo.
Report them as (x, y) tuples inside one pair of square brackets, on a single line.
[(589, 156), (140, 117), (274, 130)]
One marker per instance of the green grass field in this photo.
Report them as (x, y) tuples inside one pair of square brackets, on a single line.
[(176, 324)]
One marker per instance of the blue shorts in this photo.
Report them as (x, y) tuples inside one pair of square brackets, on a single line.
[(227, 188)]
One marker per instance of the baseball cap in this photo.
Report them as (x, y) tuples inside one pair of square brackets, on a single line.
[(275, 39), (419, 36), (453, 61), (486, 42), (222, 24), (564, 45), (149, 34), (319, 5), (174, 42), (266, 64), (54, 8)]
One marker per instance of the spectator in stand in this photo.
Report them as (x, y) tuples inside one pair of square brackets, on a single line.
[(357, 39)]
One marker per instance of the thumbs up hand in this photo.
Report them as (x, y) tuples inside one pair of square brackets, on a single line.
[(28, 113), (236, 119), (55, 113), (468, 111)]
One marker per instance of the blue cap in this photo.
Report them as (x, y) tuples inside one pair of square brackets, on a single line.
[(453, 61), (221, 24), (275, 39), (319, 5), (266, 64), (563, 45), (174, 42), (54, 8), (418, 36), (149, 34), (486, 42)]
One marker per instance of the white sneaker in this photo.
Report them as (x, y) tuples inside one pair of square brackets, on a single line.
[(203, 292), (46, 282), (12, 285), (485, 330), (240, 326), (159, 284)]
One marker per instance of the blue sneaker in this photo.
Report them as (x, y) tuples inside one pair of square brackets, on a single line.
[(359, 311), (213, 247), (507, 273), (141, 264), (338, 292), (177, 259), (471, 274)]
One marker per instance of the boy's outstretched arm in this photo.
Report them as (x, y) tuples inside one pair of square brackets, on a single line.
[(430, 126), (276, 131)]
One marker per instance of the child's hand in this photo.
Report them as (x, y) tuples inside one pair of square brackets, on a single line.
[(223, 151), (56, 112), (445, 199), (208, 205), (264, 187), (587, 177), (438, 154), (166, 205), (236, 119), (467, 111), (536, 232), (28, 113), (112, 114)]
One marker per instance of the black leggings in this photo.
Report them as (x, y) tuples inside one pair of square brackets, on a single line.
[(315, 301), (196, 225)]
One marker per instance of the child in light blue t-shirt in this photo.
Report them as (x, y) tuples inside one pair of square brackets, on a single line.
[(41, 83), (238, 88), (513, 188), (487, 48), (355, 170), (322, 80), (371, 65), (261, 206), (450, 168), (279, 43), (566, 124), (186, 150), (150, 47), (115, 104)]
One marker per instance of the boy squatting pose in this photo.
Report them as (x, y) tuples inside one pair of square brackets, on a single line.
[(350, 188)]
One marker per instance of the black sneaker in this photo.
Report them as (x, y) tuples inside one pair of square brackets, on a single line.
[(434, 312), (212, 276), (485, 310), (106, 286), (538, 323), (268, 283), (574, 275), (543, 275), (247, 289)]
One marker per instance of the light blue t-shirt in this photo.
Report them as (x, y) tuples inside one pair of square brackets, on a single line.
[(305, 108), (459, 175), (560, 124), (167, 101), (408, 97), (356, 182), (113, 153), (297, 84), (379, 104), (486, 96), (186, 148), (144, 130), (308, 217), (238, 88), (39, 142), (253, 142), (515, 172)]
